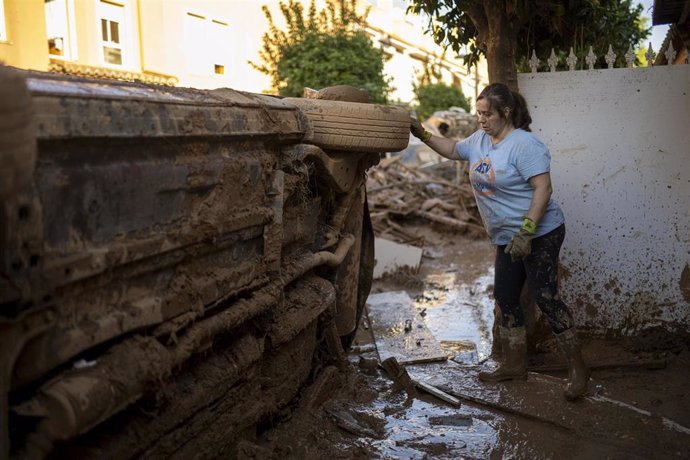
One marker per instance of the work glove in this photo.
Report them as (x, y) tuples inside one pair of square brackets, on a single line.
[(520, 246), (418, 130)]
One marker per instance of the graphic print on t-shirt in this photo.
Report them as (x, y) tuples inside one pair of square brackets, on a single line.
[(482, 177)]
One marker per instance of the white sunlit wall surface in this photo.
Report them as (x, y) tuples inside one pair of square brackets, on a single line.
[(620, 142)]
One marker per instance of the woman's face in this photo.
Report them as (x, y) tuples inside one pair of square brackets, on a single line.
[(489, 119)]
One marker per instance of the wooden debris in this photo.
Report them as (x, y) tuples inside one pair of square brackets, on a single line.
[(400, 376), (362, 348), (447, 221), (388, 313), (347, 422), (438, 393), (508, 409), (650, 363), (399, 194)]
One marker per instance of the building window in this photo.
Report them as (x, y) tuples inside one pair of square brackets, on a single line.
[(112, 28), (200, 32), (3, 27), (60, 28), (195, 42), (219, 35)]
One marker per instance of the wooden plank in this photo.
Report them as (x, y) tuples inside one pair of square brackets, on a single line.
[(646, 363), (438, 393), (399, 331)]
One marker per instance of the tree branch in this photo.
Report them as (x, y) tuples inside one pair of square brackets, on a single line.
[(478, 18)]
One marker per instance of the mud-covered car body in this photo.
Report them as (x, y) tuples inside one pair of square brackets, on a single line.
[(171, 257)]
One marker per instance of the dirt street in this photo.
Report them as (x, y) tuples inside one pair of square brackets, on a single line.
[(638, 405)]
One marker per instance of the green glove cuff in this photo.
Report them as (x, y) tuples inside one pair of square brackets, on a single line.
[(528, 226), (426, 136)]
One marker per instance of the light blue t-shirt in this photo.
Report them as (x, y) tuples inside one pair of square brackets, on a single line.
[(499, 176)]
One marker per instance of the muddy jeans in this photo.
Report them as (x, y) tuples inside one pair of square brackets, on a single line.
[(541, 270)]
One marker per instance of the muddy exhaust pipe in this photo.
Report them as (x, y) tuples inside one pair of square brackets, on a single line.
[(76, 401)]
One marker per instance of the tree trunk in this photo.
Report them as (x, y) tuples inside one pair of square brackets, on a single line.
[(500, 46), (501, 42)]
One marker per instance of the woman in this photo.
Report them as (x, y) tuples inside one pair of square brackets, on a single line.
[(509, 172)]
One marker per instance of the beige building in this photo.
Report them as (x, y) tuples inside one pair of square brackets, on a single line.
[(197, 43)]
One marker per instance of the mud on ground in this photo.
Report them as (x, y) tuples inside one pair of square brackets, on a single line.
[(356, 412)]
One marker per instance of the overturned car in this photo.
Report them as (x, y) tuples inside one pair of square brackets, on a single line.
[(173, 259)]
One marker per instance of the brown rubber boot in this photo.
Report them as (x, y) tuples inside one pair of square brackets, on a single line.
[(578, 373), (514, 362)]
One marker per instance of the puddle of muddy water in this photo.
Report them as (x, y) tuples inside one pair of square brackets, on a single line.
[(428, 430), (457, 305), (458, 302), (460, 313)]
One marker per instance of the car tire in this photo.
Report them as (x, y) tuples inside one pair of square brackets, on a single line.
[(354, 127)]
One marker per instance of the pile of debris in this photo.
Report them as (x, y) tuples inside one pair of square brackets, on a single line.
[(440, 195), (454, 123)]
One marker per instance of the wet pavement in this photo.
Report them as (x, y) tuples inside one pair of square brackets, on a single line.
[(458, 309), (631, 412), (459, 313)]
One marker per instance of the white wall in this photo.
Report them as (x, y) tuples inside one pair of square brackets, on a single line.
[(171, 46), (620, 144)]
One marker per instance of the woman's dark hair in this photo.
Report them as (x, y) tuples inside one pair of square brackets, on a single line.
[(500, 97)]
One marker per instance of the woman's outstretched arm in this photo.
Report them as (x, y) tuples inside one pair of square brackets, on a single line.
[(441, 145)]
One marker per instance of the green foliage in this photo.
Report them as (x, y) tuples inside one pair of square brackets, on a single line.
[(438, 96), (583, 24), (539, 25), (320, 49), (450, 24)]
